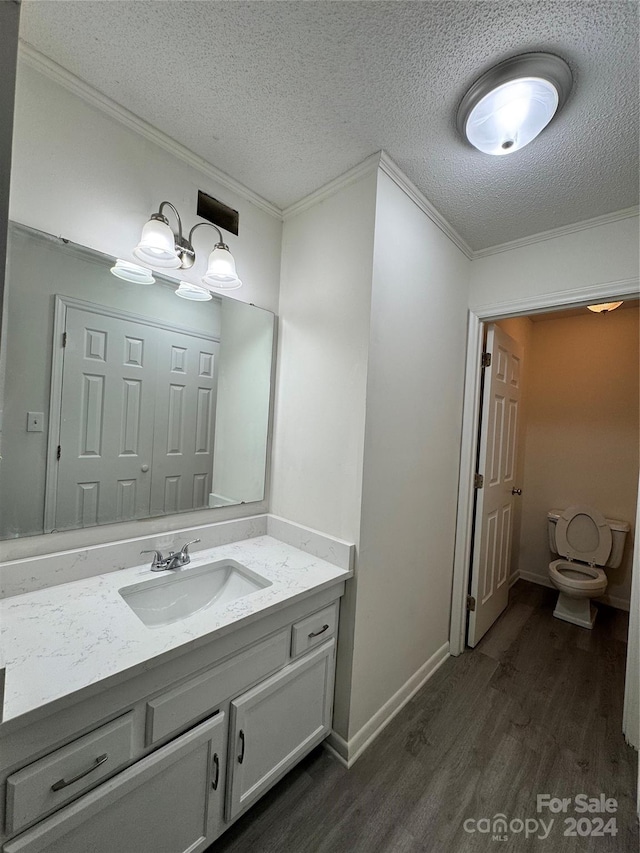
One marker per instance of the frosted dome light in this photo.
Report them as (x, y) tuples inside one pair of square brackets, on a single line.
[(513, 102)]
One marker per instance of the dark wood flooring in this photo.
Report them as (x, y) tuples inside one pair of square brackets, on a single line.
[(535, 708)]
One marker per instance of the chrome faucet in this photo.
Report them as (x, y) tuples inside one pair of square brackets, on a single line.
[(173, 560)]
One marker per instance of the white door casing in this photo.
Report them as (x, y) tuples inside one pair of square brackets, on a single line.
[(497, 465)]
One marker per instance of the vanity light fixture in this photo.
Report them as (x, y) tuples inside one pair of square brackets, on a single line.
[(193, 292), (132, 272), (221, 266), (604, 307), (160, 248), (509, 105)]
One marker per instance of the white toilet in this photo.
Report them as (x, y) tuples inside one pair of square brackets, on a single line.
[(587, 542)]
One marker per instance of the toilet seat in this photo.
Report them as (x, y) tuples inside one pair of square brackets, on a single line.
[(589, 579), (582, 533)]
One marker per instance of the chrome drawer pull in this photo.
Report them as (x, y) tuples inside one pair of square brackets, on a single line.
[(63, 783), (321, 631)]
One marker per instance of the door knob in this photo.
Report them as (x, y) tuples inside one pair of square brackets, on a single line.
[(144, 469), (516, 491)]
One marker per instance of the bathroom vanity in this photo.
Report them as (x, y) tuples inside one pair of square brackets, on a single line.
[(122, 736)]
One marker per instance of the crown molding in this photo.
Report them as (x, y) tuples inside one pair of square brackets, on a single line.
[(400, 179), (32, 57), (351, 176), (563, 231), (591, 294)]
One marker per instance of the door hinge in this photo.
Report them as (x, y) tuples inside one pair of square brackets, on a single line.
[(58, 452), (64, 339), (486, 359), (471, 603), (478, 481)]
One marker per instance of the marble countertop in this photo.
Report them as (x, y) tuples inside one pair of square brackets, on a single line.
[(62, 639)]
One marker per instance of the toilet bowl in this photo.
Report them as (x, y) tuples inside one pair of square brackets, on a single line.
[(586, 542)]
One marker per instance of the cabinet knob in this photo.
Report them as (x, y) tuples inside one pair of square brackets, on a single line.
[(144, 468)]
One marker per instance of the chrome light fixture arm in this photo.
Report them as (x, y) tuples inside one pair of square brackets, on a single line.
[(220, 244)]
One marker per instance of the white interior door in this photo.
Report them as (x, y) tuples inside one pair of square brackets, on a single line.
[(494, 500), (106, 426), (184, 422)]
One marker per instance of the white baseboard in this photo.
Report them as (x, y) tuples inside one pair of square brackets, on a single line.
[(612, 600), (348, 752), (514, 578)]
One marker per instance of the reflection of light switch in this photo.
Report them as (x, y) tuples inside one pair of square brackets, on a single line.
[(35, 421)]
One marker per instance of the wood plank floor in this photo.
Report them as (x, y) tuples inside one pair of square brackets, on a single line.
[(536, 708)]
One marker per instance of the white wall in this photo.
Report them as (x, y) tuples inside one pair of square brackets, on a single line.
[(582, 431), (242, 410), (411, 453), (79, 173), (325, 304), (325, 300), (592, 256)]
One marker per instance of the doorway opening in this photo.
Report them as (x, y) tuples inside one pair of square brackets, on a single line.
[(539, 311)]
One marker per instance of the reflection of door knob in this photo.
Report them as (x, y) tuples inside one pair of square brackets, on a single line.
[(513, 491), (144, 469)]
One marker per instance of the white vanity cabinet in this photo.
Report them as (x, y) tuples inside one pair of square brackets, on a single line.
[(169, 802), (276, 723), (191, 742)]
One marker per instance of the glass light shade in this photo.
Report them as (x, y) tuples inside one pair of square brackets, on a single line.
[(193, 292), (604, 307), (221, 269), (511, 115), (132, 272), (157, 246)]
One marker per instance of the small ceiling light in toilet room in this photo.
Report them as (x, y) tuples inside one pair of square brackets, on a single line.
[(604, 307)]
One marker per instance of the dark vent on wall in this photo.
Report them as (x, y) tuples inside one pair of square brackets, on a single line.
[(215, 211)]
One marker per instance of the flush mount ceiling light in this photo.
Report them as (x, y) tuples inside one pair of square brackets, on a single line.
[(160, 248), (513, 102), (193, 292), (604, 307), (132, 272)]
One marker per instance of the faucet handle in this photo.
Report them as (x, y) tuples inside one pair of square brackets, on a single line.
[(157, 556), (185, 548)]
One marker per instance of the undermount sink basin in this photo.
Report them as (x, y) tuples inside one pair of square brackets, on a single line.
[(174, 595)]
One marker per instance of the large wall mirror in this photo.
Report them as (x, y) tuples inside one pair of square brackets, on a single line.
[(120, 401)]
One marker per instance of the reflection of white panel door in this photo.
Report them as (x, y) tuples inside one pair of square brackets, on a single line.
[(104, 471), (494, 505), (184, 422)]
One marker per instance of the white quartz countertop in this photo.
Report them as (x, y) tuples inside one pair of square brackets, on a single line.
[(62, 639)]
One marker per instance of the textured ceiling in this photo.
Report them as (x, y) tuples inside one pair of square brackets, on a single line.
[(285, 96)]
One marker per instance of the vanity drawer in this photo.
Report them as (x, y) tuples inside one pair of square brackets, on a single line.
[(314, 630), (59, 777), (174, 710)]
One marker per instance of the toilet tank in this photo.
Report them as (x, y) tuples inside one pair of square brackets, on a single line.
[(619, 530)]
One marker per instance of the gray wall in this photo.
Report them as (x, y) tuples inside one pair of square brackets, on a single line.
[(242, 410), (9, 21)]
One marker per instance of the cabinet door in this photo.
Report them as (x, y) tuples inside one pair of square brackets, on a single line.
[(274, 724), (169, 802)]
